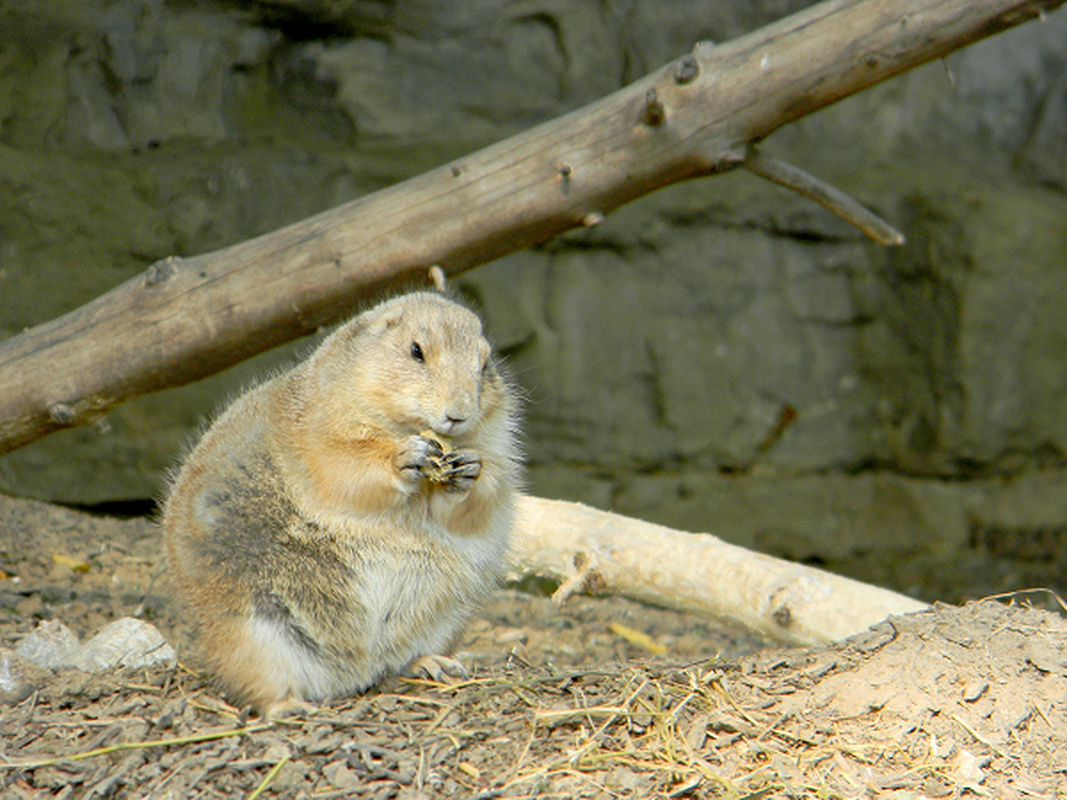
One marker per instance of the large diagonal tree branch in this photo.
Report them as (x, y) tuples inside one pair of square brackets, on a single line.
[(187, 318)]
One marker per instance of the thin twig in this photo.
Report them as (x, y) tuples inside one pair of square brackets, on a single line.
[(270, 776), (824, 194), (116, 748), (982, 739)]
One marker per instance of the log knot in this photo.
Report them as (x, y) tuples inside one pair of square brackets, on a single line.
[(61, 414), (585, 580), (654, 112), (686, 70), (161, 272), (782, 616)]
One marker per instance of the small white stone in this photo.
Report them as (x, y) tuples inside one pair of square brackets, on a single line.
[(126, 643), (19, 677), (52, 645)]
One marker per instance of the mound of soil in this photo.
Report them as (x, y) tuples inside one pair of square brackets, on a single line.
[(946, 703)]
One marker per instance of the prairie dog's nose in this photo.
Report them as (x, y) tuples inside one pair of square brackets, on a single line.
[(460, 410), (451, 422)]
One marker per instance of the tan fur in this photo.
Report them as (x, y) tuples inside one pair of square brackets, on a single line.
[(303, 534)]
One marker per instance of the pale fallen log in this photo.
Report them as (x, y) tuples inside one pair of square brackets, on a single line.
[(597, 552)]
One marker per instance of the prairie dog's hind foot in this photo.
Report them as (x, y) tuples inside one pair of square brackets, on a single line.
[(289, 708), (441, 669)]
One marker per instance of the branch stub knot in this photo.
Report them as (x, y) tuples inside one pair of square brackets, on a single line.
[(686, 70), (654, 112)]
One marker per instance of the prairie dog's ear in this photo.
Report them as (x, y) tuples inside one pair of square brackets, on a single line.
[(353, 328), (388, 318)]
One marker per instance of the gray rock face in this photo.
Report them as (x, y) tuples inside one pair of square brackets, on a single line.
[(724, 326)]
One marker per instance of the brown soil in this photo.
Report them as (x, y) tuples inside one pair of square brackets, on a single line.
[(949, 703)]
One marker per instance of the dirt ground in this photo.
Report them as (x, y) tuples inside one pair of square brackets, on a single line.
[(954, 702)]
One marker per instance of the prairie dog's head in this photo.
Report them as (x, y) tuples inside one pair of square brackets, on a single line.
[(417, 361)]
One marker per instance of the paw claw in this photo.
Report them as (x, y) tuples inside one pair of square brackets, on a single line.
[(414, 456), (461, 468), (421, 457)]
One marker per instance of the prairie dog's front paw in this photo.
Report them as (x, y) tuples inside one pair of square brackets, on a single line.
[(453, 470), (460, 469), (414, 455)]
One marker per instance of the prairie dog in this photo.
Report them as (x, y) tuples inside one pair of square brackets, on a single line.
[(319, 534)]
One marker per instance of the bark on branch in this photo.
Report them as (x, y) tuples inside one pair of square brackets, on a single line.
[(185, 319)]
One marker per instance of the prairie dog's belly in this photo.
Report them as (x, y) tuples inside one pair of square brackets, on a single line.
[(394, 604), (388, 611), (340, 603), (400, 587)]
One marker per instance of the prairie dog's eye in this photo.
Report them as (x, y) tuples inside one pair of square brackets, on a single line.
[(416, 353)]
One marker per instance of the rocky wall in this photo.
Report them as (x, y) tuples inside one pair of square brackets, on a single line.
[(710, 356)]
